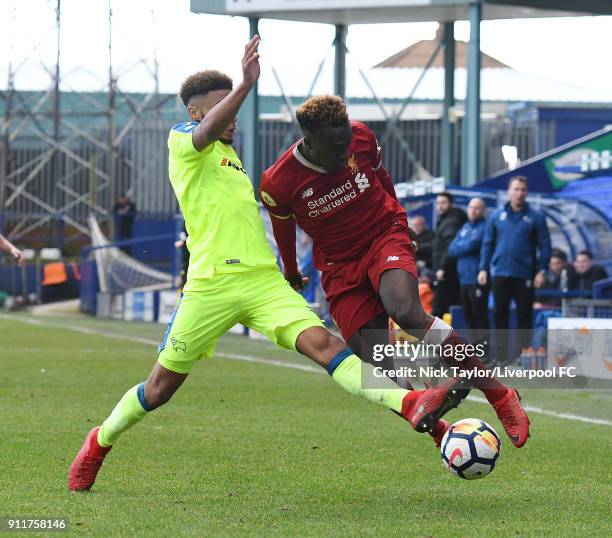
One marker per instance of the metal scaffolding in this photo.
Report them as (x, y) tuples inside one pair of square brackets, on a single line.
[(55, 168)]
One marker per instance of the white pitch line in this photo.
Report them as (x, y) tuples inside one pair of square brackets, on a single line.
[(270, 362), (282, 364), (540, 411)]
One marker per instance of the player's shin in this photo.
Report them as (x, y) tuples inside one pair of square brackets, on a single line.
[(131, 409), (441, 333), (360, 378)]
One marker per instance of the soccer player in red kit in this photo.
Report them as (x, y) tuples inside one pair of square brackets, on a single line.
[(333, 185)]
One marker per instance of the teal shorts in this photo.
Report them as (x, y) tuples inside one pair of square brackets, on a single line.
[(262, 300)]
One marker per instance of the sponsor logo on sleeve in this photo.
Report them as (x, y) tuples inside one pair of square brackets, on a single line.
[(268, 199)]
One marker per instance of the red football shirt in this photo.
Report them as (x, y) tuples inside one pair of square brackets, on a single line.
[(344, 211)]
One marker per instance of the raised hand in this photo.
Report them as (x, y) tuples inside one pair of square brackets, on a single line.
[(18, 255), (250, 62)]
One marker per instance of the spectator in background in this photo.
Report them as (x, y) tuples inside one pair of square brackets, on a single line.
[(515, 253), (587, 273), (425, 290), (560, 277), (446, 285), (11, 249), (181, 243), (125, 213), (465, 248), (425, 237)]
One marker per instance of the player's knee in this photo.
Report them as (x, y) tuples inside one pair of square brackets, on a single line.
[(319, 344)]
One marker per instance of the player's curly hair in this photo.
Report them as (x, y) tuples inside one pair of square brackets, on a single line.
[(322, 111), (204, 82)]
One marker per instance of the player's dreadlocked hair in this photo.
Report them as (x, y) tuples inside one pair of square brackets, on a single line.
[(322, 111), (202, 83)]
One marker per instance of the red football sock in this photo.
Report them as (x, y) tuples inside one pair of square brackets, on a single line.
[(439, 427), (446, 335)]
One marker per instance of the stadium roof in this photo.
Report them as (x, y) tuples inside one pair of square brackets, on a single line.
[(419, 53), (497, 85), (499, 82), (377, 11)]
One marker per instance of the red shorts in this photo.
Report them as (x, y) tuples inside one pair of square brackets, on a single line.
[(352, 288)]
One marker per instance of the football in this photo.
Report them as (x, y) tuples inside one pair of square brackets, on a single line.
[(470, 448)]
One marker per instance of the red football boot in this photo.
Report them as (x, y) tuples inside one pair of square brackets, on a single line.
[(423, 408), (513, 417), (438, 431), (87, 463)]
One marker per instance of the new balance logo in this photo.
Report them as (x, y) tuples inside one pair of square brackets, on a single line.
[(307, 192), (362, 182), (393, 258)]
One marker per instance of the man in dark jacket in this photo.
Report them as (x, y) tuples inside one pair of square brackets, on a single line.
[(587, 273), (465, 248), (446, 285), (515, 253), (560, 277), (125, 213), (425, 237)]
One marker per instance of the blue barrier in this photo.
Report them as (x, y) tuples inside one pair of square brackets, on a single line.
[(89, 287), (602, 289)]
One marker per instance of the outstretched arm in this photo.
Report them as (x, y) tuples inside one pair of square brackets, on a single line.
[(224, 112), (283, 227), (284, 233), (11, 249)]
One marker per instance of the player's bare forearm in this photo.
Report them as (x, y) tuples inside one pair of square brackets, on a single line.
[(223, 113), (219, 117), (284, 234), (11, 249), (5, 244)]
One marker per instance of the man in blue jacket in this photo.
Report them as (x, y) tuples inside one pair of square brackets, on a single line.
[(514, 254), (465, 248)]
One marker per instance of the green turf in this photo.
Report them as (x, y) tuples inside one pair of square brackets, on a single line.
[(253, 449)]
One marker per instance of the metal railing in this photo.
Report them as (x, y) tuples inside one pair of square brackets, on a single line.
[(587, 308), (141, 167)]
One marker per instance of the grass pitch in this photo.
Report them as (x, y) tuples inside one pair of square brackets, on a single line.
[(255, 449)]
